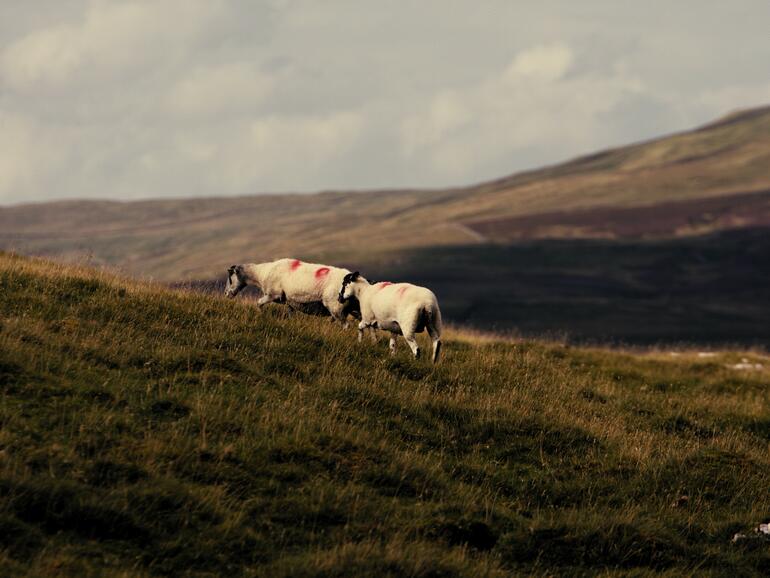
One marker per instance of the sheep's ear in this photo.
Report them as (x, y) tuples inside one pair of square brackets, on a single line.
[(231, 269), (356, 275)]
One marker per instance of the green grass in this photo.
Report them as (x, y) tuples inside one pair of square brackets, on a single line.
[(148, 432)]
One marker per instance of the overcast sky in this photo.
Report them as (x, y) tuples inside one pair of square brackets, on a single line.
[(120, 99)]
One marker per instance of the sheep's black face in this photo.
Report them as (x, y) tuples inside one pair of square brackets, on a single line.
[(346, 290), (235, 281)]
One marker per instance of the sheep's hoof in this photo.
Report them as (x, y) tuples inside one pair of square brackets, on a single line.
[(417, 353)]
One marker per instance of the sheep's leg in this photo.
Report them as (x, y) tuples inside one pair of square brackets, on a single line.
[(408, 326), (392, 345), (436, 350), (412, 342), (436, 338), (341, 320), (361, 326), (373, 334), (265, 299)]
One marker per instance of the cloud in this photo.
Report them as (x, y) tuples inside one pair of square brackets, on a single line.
[(32, 156), (202, 160), (283, 151), (546, 62), (108, 42), (448, 112), (220, 89), (535, 103), (137, 98)]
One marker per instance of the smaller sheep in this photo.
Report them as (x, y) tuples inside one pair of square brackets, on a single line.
[(401, 308), (303, 286)]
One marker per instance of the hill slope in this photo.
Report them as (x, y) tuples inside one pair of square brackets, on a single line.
[(150, 432), (174, 239), (707, 290)]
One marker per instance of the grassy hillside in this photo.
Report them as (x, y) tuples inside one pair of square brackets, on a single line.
[(181, 239), (668, 219), (149, 432)]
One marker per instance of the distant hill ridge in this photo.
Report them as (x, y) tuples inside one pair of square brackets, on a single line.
[(191, 238)]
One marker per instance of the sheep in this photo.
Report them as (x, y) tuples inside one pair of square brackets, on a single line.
[(401, 308), (304, 286)]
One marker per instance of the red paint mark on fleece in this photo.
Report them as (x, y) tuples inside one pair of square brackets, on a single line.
[(403, 290), (295, 264), (321, 272), (382, 284)]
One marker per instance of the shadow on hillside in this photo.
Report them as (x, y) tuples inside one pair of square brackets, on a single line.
[(707, 290)]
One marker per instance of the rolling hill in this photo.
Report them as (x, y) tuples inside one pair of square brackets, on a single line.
[(667, 239), (154, 432), (709, 179)]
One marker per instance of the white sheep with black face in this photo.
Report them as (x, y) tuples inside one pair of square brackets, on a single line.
[(302, 285), (401, 308)]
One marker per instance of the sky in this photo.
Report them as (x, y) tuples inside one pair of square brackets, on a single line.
[(186, 98)]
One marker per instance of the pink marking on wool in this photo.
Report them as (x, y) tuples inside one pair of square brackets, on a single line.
[(295, 264), (321, 272), (403, 290), (382, 284)]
